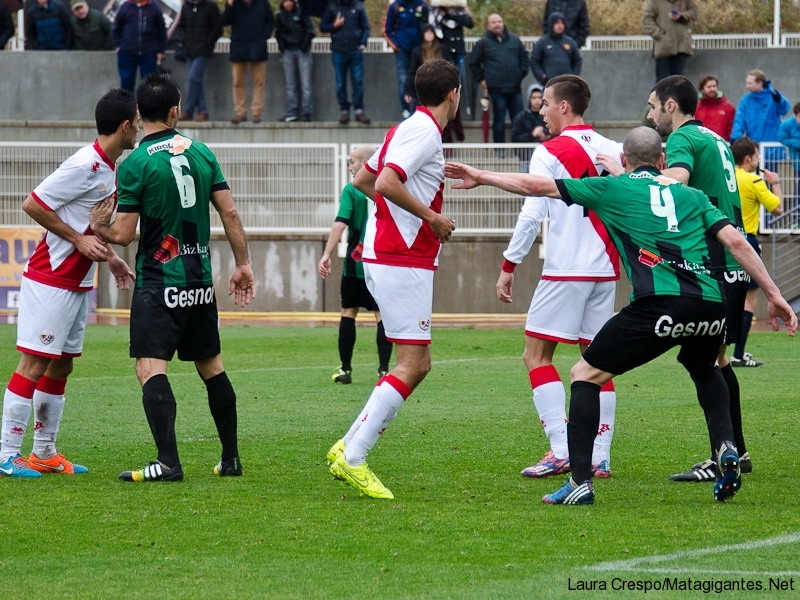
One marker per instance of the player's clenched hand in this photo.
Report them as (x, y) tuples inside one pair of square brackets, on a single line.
[(503, 287), (243, 286), (443, 226), (93, 248), (467, 174), (101, 213)]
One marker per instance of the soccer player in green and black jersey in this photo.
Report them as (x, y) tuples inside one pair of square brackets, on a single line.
[(166, 186), (701, 159), (661, 230)]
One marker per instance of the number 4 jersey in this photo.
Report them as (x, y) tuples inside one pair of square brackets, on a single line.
[(660, 228), (169, 180)]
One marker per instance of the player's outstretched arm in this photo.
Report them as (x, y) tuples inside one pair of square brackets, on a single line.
[(521, 184), (751, 262), (242, 284)]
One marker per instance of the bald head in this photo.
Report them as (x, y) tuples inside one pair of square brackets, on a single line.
[(363, 153), (642, 147)]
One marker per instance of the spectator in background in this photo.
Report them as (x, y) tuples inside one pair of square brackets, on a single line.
[(294, 33), (576, 16), (713, 108), (252, 23), (499, 61), (789, 136), (529, 126), (555, 53), (6, 26), (348, 24), (668, 22), (755, 189), (402, 28), (450, 17), (140, 38), (91, 29), (429, 49), (758, 115), (199, 26), (47, 26)]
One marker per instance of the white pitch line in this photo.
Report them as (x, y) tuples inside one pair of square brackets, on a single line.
[(638, 564)]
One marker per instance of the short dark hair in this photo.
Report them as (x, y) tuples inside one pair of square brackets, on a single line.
[(742, 148), (705, 79), (574, 90), (796, 108), (156, 95), (680, 89), (434, 80), (115, 107)]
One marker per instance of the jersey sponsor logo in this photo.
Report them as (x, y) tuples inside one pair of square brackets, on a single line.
[(734, 276), (17, 430), (46, 338), (648, 258), (651, 260), (666, 327), (167, 250), (183, 298), (424, 324), (196, 249), (177, 145)]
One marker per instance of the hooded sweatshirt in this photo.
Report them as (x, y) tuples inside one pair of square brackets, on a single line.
[(717, 114), (525, 122), (555, 54)]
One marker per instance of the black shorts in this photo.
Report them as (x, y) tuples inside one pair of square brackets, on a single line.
[(735, 289), (648, 328), (356, 295), (164, 320)]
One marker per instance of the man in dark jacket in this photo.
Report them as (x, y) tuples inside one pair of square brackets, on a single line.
[(576, 16), (402, 28), (499, 61), (47, 26), (348, 24), (294, 33), (555, 53), (91, 29), (450, 22), (6, 26), (140, 38), (199, 26), (529, 126), (252, 23)]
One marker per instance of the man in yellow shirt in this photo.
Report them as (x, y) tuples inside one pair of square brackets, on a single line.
[(755, 188)]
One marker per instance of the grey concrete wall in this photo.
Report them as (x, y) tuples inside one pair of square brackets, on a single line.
[(64, 85)]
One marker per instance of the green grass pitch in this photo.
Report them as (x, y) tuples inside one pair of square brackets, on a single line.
[(464, 523)]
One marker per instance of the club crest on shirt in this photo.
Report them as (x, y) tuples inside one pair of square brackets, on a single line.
[(424, 324), (95, 167), (46, 338)]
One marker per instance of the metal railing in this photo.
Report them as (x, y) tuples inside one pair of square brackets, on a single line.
[(285, 188)]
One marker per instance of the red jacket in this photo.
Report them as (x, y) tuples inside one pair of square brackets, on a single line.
[(717, 114)]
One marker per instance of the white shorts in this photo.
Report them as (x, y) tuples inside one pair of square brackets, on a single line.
[(51, 321), (405, 299), (570, 311)]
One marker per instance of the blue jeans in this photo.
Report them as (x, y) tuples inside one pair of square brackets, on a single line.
[(127, 65), (343, 62), (502, 103), (401, 62), (195, 95), (671, 65), (297, 65)]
